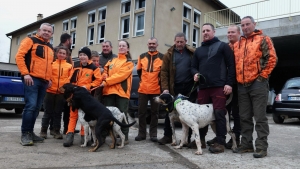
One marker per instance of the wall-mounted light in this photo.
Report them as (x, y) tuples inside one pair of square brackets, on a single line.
[(172, 9)]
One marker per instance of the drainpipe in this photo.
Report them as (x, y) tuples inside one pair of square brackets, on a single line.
[(9, 50), (153, 18)]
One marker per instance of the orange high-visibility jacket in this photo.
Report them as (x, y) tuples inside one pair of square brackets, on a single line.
[(118, 72), (35, 57), (61, 71), (254, 56), (148, 69)]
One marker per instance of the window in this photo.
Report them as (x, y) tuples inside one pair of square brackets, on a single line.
[(185, 29), (33, 33), (101, 31), (51, 40), (65, 25), (73, 23), (73, 37), (125, 6), (52, 28), (195, 37), (186, 11), (139, 24), (125, 27), (102, 13), (91, 16), (91, 35), (139, 4), (18, 40), (28, 34), (197, 16)]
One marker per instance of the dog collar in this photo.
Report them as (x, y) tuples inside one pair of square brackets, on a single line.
[(176, 102)]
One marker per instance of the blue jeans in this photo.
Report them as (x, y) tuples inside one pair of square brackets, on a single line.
[(34, 96)]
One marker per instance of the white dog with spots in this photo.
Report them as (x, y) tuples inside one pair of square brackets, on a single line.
[(92, 123), (194, 116)]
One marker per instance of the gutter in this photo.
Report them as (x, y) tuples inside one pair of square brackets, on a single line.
[(9, 48), (153, 18)]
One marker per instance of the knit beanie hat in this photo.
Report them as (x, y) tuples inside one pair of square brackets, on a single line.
[(86, 51)]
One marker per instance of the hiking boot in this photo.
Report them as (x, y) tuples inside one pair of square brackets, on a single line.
[(43, 132), (165, 140), (26, 139), (228, 145), (52, 132), (260, 153), (36, 138), (69, 140), (57, 134), (139, 138), (212, 141), (153, 139), (216, 148), (243, 149)]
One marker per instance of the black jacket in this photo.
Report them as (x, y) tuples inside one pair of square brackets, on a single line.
[(214, 60)]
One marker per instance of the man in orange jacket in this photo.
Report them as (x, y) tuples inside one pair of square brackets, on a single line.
[(148, 69), (34, 59), (255, 58)]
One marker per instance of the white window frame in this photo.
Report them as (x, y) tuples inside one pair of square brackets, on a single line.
[(53, 28), (185, 5), (123, 2), (28, 34), (136, 24), (137, 3), (122, 27), (66, 25), (72, 22), (196, 42), (33, 33), (99, 33), (199, 15), (72, 37), (90, 13), (51, 40), (89, 41), (187, 30), (100, 13)]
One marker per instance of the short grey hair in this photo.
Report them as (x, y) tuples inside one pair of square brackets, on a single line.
[(152, 38), (109, 42), (47, 24), (250, 17), (237, 27), (180, 34)]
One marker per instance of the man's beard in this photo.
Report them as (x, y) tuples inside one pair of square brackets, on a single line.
[(152, 49)]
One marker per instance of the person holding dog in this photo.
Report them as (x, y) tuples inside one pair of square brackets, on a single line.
[(213, 67), (233, 35), (176, 78), (87, 75), (117, 84), (255, 58), (148, 69), (54, 100), (34, 59)]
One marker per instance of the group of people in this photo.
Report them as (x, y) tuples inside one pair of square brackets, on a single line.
[(241, 67)]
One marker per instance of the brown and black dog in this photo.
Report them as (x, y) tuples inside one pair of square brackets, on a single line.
[(79, 97)]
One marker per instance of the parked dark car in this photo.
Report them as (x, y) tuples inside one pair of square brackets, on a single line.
[(287, 102), (133, 102)]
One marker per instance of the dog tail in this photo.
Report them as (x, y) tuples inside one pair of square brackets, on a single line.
[(122, 124)]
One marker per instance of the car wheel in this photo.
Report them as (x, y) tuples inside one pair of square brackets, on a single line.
[(18, 110), (277, 119)]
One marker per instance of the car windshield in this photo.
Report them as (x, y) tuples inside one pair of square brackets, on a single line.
[(292, 84)]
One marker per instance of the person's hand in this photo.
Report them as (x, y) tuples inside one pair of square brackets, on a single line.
[(28, 80), (49, 83), (166, 91), (227, 89), (84, 87), (196, 77)]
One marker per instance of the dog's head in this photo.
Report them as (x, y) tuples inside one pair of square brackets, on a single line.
[(68, 89), (165, 99)]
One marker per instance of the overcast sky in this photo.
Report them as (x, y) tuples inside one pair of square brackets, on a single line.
[(15, 14)]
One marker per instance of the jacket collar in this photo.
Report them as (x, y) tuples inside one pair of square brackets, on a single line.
[(209, 42)]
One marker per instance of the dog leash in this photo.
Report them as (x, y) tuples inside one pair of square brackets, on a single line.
[(194, 86)]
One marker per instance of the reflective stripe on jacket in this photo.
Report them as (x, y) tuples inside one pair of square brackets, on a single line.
[(34, 57), (119, 76), (61, 71), (254, 56), (148, 69)]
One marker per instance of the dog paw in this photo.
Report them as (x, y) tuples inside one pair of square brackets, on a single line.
[(198, 152), (83, 145), (92, 150), (174, 144), (93, 145), (178, 147), (120, 146)]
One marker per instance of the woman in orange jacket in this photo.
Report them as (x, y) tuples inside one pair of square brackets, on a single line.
[(54, 100), (117, 84)]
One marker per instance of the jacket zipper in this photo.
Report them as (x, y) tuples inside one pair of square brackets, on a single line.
[(46, 56), (58, 76), (245, 52)]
